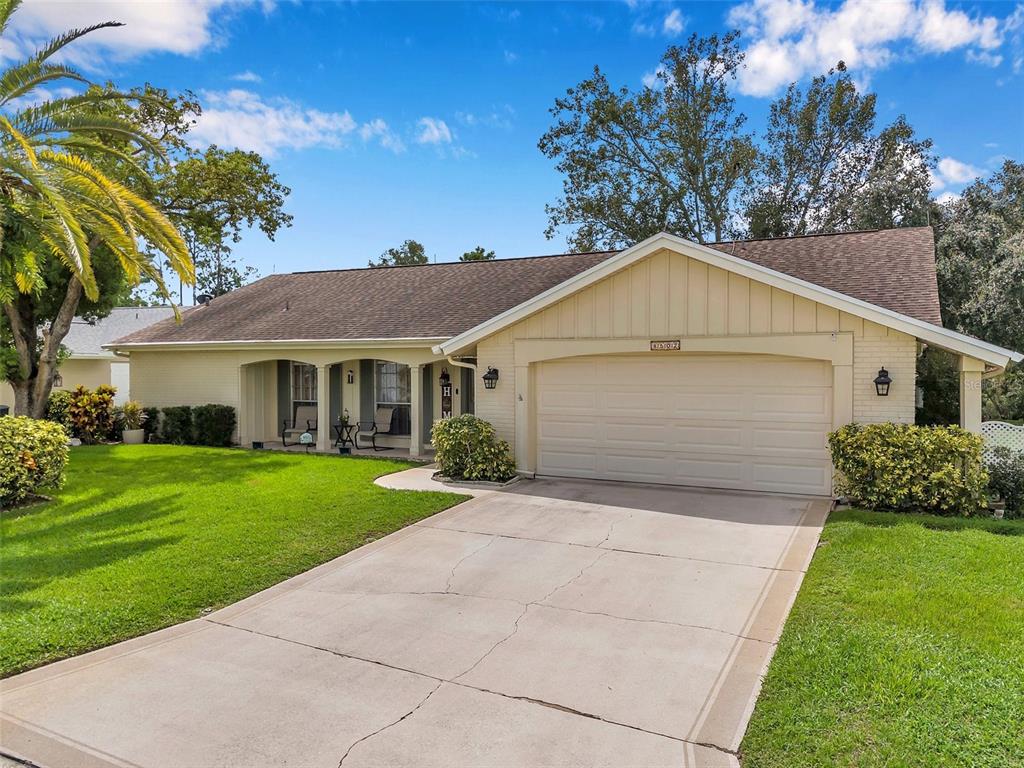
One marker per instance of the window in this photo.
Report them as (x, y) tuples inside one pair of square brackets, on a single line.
[(303, 383), (393, 390)]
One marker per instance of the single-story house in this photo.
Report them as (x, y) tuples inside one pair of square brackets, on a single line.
[(91, 363), (668, 362)]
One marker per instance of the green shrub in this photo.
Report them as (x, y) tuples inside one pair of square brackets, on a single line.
[(213, 424), (33, 453), (151, 422), (468, 449), (91, 413), (902, 467), (177, 424), (57, 407), (1006, 478)]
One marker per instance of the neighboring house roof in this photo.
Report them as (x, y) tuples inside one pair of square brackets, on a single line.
[(720, 257), (86, 339), (894, 269)]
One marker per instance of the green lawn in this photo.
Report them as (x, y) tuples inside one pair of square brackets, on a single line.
[(905, 648), (142, 537)]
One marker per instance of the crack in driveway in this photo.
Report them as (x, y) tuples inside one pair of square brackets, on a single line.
[(389, 725)]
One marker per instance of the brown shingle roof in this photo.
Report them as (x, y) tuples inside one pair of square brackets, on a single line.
[(892, 268)]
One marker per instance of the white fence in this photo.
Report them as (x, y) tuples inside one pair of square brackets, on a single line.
[(999, 433)]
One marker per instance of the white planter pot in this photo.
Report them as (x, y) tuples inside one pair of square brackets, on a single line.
[(133, 436)]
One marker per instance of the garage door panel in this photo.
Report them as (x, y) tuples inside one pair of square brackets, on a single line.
[(802, 406), (568, 400), (744, 422)]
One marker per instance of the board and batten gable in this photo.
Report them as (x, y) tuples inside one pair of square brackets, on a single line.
[(669, 295)]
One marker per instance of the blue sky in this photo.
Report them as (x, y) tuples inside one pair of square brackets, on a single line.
[(420, 120)]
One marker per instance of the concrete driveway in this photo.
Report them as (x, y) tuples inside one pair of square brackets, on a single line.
[(557, 624)]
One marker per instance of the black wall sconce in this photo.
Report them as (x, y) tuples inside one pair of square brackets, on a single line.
[(350, 377), (490, 378), (882, 382), (58, 380)]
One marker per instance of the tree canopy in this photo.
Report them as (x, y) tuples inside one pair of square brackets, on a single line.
[(676, 156), (478, 254), (407, 254)]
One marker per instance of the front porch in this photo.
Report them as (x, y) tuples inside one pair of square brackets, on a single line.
[(403, 390), (426, 455)]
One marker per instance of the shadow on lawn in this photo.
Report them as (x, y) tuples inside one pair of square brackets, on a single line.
[(931, 522), (91, 541)]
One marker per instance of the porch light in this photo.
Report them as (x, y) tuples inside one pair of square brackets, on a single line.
[(444, 379), (58, 380), (882, 382), (351, 376), (490, 378)]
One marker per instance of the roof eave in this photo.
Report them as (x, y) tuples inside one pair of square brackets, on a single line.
[(158, 346), (934, 334)]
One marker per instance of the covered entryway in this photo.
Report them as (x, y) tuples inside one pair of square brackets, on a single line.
[(747, 422)]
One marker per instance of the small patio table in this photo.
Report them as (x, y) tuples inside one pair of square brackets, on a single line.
[(344, 434)]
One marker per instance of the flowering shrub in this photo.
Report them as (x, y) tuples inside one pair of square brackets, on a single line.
[(903, 467), (33, 453), (92, 413), (468, 449)]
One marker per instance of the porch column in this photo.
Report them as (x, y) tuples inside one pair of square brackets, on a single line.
[(970, 393), (416, 410), (323, 408), (245, 426), (524, 420)]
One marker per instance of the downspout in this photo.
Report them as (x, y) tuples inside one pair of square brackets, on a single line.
[(460, 364)]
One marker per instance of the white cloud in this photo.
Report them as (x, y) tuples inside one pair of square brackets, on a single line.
[(497, 117), (433, 130), (947, 197), (950, 171), (240, 118), (511, 57), (794, 38), (183, 27), (247, 77), (653, 79), (380, 131), (674, 23)]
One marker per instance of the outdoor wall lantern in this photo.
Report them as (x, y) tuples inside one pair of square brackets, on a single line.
[(491, 378), (351, 377), (444, 379), (882, 382), (58, 380)]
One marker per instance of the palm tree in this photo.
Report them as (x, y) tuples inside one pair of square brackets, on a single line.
[(61, 198)]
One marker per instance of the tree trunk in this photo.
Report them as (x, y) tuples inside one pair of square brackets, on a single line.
[(38, 363)]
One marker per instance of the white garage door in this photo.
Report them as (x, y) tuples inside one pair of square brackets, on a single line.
[(746, 422)]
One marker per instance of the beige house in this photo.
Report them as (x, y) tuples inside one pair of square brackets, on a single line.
[(90, 363), (668, 362)]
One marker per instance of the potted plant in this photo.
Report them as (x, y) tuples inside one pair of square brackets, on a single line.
[(132, 418)]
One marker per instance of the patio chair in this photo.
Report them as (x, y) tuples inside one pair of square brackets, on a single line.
[(381, 425), (304, 421)]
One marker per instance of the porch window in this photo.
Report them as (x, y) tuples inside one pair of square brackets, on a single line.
[(394, 390), (303, 383)]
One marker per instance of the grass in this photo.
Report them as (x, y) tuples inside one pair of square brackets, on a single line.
[(905, 647), (142, 537)]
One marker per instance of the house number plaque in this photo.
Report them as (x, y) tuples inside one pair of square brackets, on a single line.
[(666, 346)]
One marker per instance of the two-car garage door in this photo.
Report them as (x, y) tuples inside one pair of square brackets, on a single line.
[(745, 422)]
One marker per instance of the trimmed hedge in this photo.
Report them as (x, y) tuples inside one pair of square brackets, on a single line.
[(57, 407), (33, 453), (907, 468), (151, 424), (210, 424), (177, 424), (468, 449), (213, 424)]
